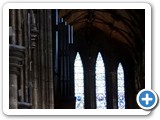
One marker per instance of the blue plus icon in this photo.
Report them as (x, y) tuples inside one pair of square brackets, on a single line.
[(147, 99)]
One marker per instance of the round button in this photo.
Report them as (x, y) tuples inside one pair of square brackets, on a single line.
[(147, 99)]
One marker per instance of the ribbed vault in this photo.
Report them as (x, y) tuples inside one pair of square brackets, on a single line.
[(125, 26)]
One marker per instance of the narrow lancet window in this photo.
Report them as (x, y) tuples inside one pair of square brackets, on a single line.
[(121, 90), (100, 84), (79, 82)]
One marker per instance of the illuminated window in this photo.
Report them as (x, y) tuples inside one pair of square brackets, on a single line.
[(121, 91), (79, 82), (100, 84)]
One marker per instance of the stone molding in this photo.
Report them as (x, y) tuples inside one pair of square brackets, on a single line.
[(16, 57)]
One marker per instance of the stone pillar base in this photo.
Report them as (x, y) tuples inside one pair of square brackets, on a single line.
[(16, 55)]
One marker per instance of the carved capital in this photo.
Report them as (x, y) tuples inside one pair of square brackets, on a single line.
[(34, 31), (34, 35), (16, 57)]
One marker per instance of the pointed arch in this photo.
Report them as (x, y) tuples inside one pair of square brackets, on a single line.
[(79, 82), (121, 87), (100, 83)]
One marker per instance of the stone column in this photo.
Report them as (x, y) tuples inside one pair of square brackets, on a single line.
[(33, 37), (114, 88), (13, 25), (50, 58), (16, 56), (112, 84)]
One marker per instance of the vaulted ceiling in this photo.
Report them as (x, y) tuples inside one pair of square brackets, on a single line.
[(124, 25)]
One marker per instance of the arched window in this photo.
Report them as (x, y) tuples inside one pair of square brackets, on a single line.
[(79, 82), (100, 84), (120, 83)]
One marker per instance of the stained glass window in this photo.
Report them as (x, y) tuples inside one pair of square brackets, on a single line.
[(121, 91), (100, 83), (79, 83)]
